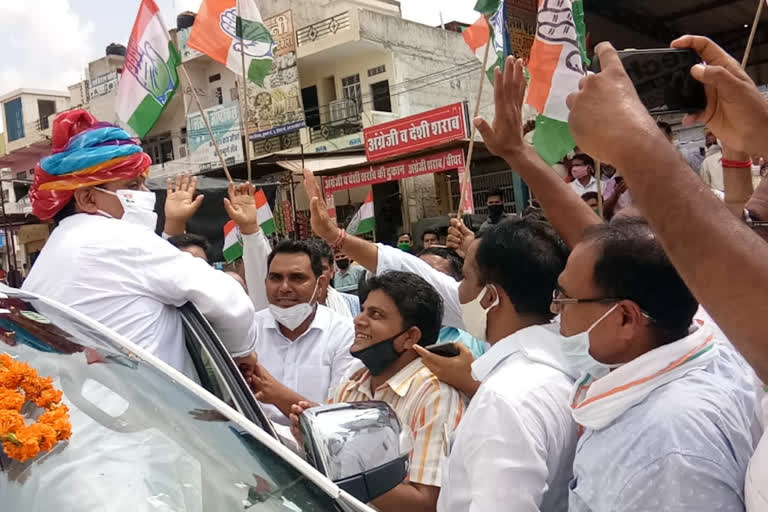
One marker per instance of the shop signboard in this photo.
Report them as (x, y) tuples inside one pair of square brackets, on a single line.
[(102, 84), (275, 107), (397, 170), (225, 124), (417, 132)]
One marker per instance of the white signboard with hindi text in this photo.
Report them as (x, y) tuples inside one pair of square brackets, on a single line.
[(225, 124)]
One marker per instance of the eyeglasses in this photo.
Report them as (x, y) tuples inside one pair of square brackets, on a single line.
[(559, 299)]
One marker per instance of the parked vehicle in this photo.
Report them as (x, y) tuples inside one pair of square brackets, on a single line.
[(147, 438)]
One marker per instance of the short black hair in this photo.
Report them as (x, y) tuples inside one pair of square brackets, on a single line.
[(664, 127), (455, 261), (189, 239), (323, 249), (586, 196), (632, 265), (295, 247), (588, 160), (68, 210), (496, 192), (417, 301), (429, 232), (524, 257), (405, 233)]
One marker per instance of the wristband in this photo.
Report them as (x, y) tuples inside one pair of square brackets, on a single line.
[(735, 164)]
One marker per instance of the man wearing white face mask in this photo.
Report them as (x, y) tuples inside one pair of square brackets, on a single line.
[(514, 447), (104, 258), (667, 412), (303, 346)]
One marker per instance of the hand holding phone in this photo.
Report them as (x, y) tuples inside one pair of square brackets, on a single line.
[(444, 349), (662, 79)]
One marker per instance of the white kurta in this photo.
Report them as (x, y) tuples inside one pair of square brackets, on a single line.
[(516, 442), (131, 280), (256, 250)]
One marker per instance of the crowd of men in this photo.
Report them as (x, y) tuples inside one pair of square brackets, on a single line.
[(601, 366)]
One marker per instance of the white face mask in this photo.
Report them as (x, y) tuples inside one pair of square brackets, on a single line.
[(756, 170), (293, 316), (576, 352), (138, 207), (475, 316)]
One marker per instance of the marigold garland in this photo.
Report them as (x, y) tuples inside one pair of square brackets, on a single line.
[(21, 441)]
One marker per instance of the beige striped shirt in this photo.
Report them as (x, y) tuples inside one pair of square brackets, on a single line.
[(429, 407)]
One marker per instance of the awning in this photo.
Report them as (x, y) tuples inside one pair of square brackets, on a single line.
[(321, 165)]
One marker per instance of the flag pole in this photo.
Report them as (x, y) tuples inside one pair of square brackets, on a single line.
[(207, 124), (599, 173), (244, 100), (751, 39), (473, 133)]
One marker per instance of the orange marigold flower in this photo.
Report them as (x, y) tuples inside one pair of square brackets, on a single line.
[(10, 421), (48, 397), (23, 447), (9, 379), (10, 399), (45, 435)]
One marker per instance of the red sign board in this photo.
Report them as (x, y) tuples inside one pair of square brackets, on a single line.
[(414, 133), (398, 170)]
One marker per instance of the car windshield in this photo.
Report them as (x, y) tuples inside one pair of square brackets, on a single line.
[(140, 441)]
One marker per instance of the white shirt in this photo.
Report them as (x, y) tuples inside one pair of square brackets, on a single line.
[(755, 491), (312, 364), (580, 189), (256, 250), (712, 171), (391, 258), (131, 280), (516, 443)]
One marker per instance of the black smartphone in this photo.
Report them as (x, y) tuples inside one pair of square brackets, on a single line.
[(619, 179), (662, 79), (444, 349)]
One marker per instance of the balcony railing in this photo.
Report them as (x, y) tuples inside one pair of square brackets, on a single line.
[(341, 117), (326, 27)]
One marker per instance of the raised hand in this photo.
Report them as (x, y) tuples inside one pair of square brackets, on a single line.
[(504, 137), (180, 203), (607, 119), (241, 207), (736, 111), (322, 223), (460, 237)]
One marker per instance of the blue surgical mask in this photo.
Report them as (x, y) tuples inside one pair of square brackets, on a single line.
[(576, 351)]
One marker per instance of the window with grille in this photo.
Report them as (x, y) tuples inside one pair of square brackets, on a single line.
[(350, 87)]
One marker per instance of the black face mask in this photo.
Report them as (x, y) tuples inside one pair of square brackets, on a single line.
[(342, 264), (377, 358), (495, 211)]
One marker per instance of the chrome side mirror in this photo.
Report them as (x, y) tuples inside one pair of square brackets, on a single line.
[(359, 446)]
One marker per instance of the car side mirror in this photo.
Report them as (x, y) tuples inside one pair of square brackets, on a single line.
[(359, 446)]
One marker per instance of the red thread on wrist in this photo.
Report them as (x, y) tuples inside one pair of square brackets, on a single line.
[(735, 164), (339, 242)]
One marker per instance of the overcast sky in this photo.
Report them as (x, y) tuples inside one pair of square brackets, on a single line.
[(47, 44)]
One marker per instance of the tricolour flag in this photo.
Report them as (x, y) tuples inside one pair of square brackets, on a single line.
[(266, 221), (149, 77), (219, 29), (363, 221), (490, 28), (233, 243), (558, 61)]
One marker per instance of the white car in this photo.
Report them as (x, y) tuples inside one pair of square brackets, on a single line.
[(145, 438)]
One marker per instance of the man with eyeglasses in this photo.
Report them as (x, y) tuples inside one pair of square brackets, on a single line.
[(661, 405)]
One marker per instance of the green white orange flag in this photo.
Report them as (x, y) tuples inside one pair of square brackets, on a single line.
[(558, 61), (490, 28), (266, 221), (363, 221), (219, 29), (233, 242), (149, 77)]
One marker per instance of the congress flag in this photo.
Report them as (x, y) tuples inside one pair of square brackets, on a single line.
[(149, 77), (490, 28), (266, 220), (219, 33), (558, 61), (233, 243)]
